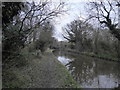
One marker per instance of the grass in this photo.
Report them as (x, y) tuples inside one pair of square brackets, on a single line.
[(32, 74), (102, 56), (67, 79), (11, 79), (11, 76), (68, 82)]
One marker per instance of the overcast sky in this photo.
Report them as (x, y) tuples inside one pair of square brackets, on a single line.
[(76, 9)]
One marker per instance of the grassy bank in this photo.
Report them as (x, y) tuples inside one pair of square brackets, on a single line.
[(41, 71), (100, 56)]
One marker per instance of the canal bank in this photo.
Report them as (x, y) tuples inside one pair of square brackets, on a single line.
[(91, 54), (43, 72)]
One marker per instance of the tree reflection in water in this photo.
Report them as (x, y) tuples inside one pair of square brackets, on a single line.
[(93, 72)]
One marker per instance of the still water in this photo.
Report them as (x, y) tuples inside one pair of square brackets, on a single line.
[(91, 72)]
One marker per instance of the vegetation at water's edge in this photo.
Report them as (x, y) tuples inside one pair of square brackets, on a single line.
[(100, 56), (19, 77), (69, 82)]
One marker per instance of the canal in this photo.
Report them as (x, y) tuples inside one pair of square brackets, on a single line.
[(91, 72)]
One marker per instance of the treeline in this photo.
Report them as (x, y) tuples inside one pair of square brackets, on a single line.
[(83, 37), (101, 38)]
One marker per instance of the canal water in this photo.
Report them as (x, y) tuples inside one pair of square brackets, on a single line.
[(91, 72)]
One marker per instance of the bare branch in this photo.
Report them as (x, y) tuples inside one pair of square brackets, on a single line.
[(101, 10)]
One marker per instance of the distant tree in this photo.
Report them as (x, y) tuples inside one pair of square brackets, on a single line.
[(77, 32), (54, 44), (45, 38)]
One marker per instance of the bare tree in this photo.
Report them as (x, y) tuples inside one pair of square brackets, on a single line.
[(77, 32), (33, 15), (104, 12)]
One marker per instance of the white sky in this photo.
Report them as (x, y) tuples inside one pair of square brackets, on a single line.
[(76, 8)]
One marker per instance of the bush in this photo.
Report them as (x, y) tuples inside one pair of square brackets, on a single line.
[(11, 80), (31, 47), (17, 61)]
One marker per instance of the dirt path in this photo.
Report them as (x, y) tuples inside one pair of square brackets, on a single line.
[(46, 72)]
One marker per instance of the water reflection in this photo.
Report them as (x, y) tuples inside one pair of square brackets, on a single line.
[(64, 60), (91, 72)]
